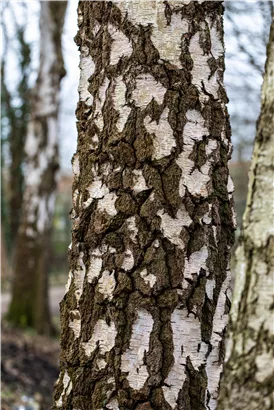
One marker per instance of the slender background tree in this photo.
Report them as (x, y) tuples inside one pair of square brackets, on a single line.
[(249, 374), (15, 110), (20, 119)]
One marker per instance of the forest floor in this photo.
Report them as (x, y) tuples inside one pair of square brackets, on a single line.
[(29, 370)]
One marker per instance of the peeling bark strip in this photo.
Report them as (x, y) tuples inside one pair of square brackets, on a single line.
[(153, 218), (249, 374), (29, 306)]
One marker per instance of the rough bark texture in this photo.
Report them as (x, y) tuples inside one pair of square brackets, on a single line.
[(147, 299), (29, 305), (249, 375)]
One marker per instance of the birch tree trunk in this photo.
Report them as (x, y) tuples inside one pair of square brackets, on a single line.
[(146, 306), (249, 375), (29, 306)]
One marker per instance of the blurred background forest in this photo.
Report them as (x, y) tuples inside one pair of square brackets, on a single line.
[(246, 34)]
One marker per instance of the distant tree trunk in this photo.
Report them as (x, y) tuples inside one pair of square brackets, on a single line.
[(17, 140), (29, 305), (5, 268), (249, 374), (145, 312), (16, 114)]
